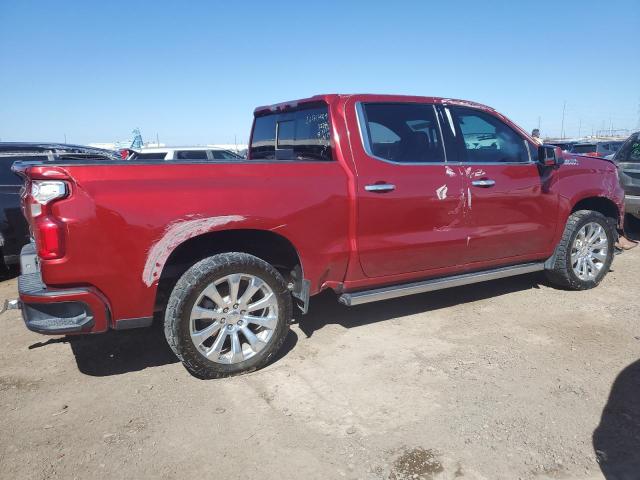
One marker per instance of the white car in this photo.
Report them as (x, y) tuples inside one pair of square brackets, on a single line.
[(182, 153)]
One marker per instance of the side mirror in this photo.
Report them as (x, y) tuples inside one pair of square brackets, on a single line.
[(550, 155)]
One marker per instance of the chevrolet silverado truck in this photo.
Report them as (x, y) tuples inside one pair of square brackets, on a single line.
[(371, 196)]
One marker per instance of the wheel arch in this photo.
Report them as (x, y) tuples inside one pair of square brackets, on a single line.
[(274, 248), (603, 205)]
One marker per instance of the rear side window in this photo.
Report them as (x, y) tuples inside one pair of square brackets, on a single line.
[(149, 156), (401, 132), (224, 155), (191, 155), (489, 140), (302, 134), (630, 150)]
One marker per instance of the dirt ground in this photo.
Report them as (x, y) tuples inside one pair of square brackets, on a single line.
[(503, 380)]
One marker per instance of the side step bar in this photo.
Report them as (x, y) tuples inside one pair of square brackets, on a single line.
[(394, 291)]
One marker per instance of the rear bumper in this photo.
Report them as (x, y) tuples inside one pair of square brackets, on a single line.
[(632, 205), (58, 311)]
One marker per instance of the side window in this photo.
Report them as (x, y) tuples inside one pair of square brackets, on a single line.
[(191, 155), (149, 156), (401, 132), (302, 134), (487, 139), (224, 155)]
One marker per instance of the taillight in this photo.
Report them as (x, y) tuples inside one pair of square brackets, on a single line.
[(47, 230)]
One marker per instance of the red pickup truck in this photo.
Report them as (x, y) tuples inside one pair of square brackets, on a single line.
[(372, 196)]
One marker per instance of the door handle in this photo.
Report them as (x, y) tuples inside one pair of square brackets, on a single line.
[(486, 183), (380, 187)]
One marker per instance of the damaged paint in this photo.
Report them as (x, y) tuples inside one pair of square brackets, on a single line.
[(469, 198), (442, 192), (449, 171), (175, 234)]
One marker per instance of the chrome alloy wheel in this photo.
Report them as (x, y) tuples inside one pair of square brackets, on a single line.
[(589, 251), (233, 318)]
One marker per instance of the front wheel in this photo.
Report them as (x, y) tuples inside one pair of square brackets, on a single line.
[(228, 314), (585, 252)]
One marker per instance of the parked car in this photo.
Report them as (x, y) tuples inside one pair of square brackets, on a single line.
[(14, 231), (596, 149), (628, 160), (181, 154), (371, 196)]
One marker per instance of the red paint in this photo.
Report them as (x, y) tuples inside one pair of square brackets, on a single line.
[(347, 238)]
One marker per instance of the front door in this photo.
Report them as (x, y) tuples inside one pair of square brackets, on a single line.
[(409, 207), (511, 207)]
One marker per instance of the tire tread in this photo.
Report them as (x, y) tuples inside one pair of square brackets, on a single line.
[(560, 273), (189, 282)]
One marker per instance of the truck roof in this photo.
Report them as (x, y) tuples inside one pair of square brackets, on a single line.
[(375, 97), (370, 97)]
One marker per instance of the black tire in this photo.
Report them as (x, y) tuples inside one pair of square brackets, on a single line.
[(561, 273), (186, 292)]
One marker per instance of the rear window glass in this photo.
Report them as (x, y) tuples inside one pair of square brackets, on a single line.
[(583, 149), (149, 156), (614, 147), (191, 155), (301, 134)]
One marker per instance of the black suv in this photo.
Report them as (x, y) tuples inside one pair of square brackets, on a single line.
[(14, 232)]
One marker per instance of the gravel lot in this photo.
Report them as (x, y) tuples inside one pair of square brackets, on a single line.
[(504, 380)]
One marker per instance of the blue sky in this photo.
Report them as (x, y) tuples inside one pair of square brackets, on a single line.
[(193, 71)]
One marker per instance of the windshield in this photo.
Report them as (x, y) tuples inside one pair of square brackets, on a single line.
[(583, 148)]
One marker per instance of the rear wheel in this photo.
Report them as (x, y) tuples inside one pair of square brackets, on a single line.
[(585, 252), (228, 314)]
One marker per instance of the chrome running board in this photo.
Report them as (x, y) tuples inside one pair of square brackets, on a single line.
[(394, 291)]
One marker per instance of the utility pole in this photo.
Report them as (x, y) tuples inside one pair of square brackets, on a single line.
[(65, 138), (157, 140), (580, 129), (564, 109), (610, 127)]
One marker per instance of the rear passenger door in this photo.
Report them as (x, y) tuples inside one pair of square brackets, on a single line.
[(409, 211), (511, 211)]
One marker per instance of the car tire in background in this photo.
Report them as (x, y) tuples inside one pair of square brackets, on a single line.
[(228, 314), (585, 252)]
